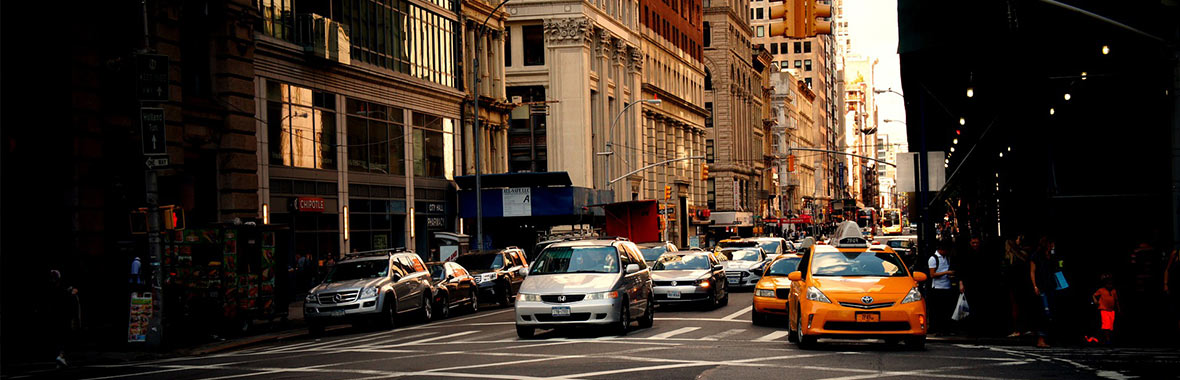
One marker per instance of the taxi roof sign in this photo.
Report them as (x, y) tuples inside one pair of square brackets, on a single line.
[(848, 235)]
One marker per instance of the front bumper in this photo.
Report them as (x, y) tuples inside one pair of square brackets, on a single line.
[(681, 293), (364, 307), (585, 312), (770, 305), (833, 320), (742, 278)]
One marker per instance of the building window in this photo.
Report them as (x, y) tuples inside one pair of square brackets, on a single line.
[(773, 48), (403, 37), (761, 30), (808, 81), (377, 216), (301, 126), (798, 64), (785, 65), (707, 40), (376, 138), (507, 46), (807, 46), (798, 48), (709, 117), (807, 65), (534, 45), (761, 15), (434, 146)]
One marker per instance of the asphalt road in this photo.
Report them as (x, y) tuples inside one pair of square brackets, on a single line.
[(684, 343)]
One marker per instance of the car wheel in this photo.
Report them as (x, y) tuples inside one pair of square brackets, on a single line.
[(444, 308), (713, 301), (624, 322), (725, 298), (525, 332), (315, 329), (389, 314), (792, 332), (427, 309), (649, 318), (505, 298), (474, 302), (916, 343)]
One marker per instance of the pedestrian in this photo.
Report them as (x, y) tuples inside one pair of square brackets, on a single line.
[(63, 314), (1107, 300), (1042, 273), (943, 297), (136, 279), (303, 272), (1141, 284), (968, 268), (1014, 270)]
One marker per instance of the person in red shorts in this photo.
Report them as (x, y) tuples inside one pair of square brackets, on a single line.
[(1107, 299)]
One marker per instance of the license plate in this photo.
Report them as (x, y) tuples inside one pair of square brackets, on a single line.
[(868, 317), (733, 281), (673, 294), (338, 313), (560, 311)]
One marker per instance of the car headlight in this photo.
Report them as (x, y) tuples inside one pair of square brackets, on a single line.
[(764, 293), (813, 294), (913, 296), (602, 296), (368, 292), (311, 298), (528, 297)]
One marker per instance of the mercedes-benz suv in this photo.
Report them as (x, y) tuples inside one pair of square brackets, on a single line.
[(374, 286)]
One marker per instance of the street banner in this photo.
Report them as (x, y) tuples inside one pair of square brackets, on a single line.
[(141, 315), (518, 201)]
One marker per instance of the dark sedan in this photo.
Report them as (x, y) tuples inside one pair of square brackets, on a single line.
[(453, 288)]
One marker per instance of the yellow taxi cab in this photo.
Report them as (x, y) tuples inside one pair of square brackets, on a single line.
[(855, 290), (774, 289)]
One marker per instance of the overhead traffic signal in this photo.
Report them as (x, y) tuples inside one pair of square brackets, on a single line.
[(667, 192), (704, 171), (791, 163), (798, 19)]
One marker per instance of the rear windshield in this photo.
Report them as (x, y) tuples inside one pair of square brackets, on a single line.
[(577, 260), (770, 246), (653, 253), (685, 262), (437, 271), (477, 262), (742, 255), (783, 267), (356, 270), (871, 263)]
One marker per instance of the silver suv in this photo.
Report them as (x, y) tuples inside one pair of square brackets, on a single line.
[(586, 282), (376, 286)]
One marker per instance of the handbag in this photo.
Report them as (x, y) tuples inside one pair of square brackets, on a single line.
[(962, 309), (1059, 277)]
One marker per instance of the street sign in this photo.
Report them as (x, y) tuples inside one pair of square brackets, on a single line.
[(667, 211), (156, 162), (151, 122), (151, 77)]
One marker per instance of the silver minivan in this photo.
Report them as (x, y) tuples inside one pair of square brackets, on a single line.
[(586, 283)]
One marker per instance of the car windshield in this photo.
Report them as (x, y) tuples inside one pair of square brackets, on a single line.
[(872, 263), (477, 262), (769, 245), (783, 267), (437, 271), (356, 270), (742, 255), (682, 262), (577, 260), (653, 253)]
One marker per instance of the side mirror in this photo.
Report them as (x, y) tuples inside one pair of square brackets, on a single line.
[(450, 277), (919, 276), (632, 268), (718, 267), (524, 271), (795, 276)]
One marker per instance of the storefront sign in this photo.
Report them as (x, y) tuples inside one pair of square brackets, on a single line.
[(436, 207), (436, 222), (141, 315), (309, 204), (518, 201)]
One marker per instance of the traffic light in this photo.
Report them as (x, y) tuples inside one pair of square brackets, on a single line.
[(798, 19), (667, 192), (791, 163), (173, 217), (704, 171)]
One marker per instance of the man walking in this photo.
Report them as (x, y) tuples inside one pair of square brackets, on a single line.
[(942, 296)]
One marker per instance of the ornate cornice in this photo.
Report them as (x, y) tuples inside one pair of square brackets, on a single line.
[(568, 30)]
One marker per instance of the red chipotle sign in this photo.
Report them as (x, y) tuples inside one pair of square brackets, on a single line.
[(309, 204)]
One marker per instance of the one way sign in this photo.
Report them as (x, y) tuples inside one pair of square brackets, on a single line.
[(151, 121)]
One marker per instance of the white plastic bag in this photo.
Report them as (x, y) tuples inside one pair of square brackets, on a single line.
[(961, 309)]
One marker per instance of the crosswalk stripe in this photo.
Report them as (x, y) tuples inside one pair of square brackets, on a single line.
[(683, 330), (738, 313), (772, 336), (428, 340), (724, 334)]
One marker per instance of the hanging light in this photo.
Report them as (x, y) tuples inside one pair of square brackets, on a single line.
[(1083, 75), (997, 175), (1105, 49), (1052, 111), (952, 149), (1009, 149), (1067, 96), (1001, 154), (962, 121), (970, 92), (955, 141)]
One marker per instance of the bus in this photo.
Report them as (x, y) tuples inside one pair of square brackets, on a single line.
[(867, 219), (891, 221)]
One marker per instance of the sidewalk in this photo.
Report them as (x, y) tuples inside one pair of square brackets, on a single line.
[(265, 333)]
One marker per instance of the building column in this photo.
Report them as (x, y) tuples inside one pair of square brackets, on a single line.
[(568, 59)]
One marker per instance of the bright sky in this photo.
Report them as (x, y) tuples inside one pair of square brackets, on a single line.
[(872, 27)]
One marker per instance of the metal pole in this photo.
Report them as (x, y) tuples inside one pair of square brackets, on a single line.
[(1176, 149), (477, 139), (610, 150), (654, 165), (155, 335), (925, 225)]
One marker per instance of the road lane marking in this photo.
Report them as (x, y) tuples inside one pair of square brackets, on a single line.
[(704, 320), (669, 334), (724, 334), (428, 340), (737, 313), (772, 336), (126, 375)]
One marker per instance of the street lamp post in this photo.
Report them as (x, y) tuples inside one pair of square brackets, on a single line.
[(477, 139), (610, 150)]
